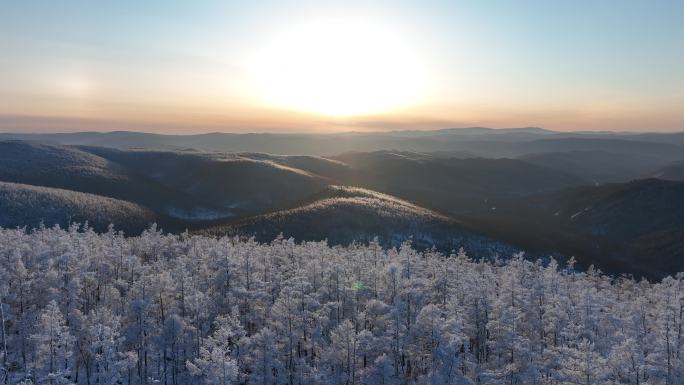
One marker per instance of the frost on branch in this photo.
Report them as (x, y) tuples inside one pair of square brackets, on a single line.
[(87, 308)]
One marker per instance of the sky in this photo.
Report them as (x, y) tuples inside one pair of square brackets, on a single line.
[(323, 66)]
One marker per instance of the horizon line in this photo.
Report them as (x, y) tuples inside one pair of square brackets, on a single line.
[(540, 130), (36, 124)]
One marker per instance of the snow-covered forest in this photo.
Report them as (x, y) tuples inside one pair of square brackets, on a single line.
[(88, 308)]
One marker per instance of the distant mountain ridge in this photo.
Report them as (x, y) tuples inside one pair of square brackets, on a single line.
[(477, 140), (504, 189), (598, 167)]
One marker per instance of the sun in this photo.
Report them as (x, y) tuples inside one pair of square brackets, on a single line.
[(338, 67)]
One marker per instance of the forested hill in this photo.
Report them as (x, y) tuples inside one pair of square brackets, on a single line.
[(88, 308)]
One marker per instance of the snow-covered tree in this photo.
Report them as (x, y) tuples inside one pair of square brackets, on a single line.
[(215, 363), (86, 308), (53, 347)]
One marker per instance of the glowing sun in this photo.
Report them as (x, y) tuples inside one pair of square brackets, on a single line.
[(338, 68)]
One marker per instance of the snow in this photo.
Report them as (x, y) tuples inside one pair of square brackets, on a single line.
[(575, 215), (89, 308)]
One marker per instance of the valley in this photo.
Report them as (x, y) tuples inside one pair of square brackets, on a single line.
[(612, 200)]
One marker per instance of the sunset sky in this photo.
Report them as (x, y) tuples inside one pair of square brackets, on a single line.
[(284, 66)]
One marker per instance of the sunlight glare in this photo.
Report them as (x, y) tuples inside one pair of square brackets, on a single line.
[(338, 68)]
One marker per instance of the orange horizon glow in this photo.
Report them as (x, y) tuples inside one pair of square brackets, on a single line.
[(282, 121), (335, 67)]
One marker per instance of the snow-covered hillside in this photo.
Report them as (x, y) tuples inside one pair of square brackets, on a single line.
[(25, 205), (88, 308), (343, 215)]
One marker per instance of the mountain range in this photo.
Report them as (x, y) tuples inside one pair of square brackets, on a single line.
[(609, 199)]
